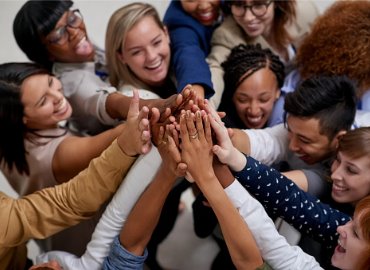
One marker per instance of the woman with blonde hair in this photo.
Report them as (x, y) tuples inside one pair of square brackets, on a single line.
[(138, 52), (138, 56)]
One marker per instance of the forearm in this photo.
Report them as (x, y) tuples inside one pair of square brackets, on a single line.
[(241, 141), (117, 105), (62, 206), (75, 153), (134, 237), (274, 248), (240, 241)]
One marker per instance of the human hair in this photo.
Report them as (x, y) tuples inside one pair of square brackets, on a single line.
[(120, 23), (36, 19), (243, 61), (330, 99), (356, 143), (284, 13), (362, 211), (13, 129), (339, 46)]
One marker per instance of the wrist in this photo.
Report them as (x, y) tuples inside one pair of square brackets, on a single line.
[(126, 148), (237, 161)]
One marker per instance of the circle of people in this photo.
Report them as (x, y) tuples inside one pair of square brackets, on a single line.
[(262, 107)]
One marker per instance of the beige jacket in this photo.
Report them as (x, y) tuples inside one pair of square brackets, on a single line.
[(229, 34), (51, 210)]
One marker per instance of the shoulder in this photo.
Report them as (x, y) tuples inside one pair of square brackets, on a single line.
[(307, 12), (175, 15), (228, 32)]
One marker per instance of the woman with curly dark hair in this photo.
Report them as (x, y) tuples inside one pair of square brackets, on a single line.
[(339, 44), (277, 25), (253, 80)]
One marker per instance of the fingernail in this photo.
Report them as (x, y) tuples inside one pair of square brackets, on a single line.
[(198, 114)]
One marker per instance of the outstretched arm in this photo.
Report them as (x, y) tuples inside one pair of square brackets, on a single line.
[(197, 154), (59, 207), (144, 217), (280, 196)]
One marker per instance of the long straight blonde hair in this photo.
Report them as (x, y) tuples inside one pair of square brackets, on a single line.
[(120, 23)]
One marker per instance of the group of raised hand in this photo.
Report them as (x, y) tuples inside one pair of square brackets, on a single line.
[(185, 134)]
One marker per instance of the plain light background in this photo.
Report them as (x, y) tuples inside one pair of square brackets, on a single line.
[(96, 15)]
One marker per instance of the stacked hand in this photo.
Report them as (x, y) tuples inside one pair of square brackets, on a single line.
[(186, 135)]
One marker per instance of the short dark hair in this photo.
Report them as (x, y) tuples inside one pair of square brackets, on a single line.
[(330, 99), (13, 130), (36, 19)]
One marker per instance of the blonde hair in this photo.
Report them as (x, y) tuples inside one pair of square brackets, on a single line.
[(120, 23)]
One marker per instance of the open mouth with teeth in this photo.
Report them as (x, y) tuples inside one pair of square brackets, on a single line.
[(340, 248), (154, 65), (63, 106)]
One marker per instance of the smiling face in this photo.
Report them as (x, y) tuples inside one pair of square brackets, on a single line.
[(352, 246), (351, 178), (204, 11), (255, 26), (76, 49), (44, 102), (146, 51), (306, 141), (255, 97)]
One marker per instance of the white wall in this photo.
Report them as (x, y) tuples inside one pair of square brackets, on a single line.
[(96, 15)]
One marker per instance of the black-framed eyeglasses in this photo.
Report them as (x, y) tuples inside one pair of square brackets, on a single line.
[(258, 9), (60, 36)]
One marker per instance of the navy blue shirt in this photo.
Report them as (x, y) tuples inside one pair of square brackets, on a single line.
[(190, 45)]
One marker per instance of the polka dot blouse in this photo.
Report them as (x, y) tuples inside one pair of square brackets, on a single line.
[(281, 197)]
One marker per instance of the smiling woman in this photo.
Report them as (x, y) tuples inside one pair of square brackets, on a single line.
[(35, 152), (53, 34), (138, 51), (138, 56)]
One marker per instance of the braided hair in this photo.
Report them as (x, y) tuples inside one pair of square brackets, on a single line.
[(243, 61)]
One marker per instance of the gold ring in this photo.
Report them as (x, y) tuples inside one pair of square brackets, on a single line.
[(194, 136)]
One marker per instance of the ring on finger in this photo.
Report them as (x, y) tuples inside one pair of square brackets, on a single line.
[(194, 136)]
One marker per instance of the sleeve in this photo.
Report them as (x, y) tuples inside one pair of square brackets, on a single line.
[(268, 145), (189, 60), (119, 258), (219, 53), (274, 248), (362, 119), (51, 210), (280, 196), (113, 219), (87, 95), (224, 39), (190, 42), (365, 101)]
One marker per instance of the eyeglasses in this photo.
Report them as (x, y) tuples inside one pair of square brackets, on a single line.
[(258, 9), (60, 36)]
